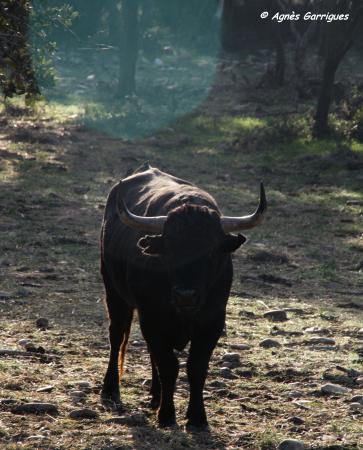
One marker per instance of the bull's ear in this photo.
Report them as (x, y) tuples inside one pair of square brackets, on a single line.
[(232, 242), (151, 245)]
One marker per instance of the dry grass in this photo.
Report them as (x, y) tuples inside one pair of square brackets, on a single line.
[(55, 179)]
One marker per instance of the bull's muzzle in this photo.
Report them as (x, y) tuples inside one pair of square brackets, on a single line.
[(185, 300)]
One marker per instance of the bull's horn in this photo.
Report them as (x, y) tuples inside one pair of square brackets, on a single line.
[(152, 225), (230, 224)]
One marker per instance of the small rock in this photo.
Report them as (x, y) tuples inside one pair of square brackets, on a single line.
[(276, 315), (138, 343), (246, 373), (42, 323), (296, 420), (360, 331), (269, 343), (334, 389), (24, 342), (231, 360), (48, 388), (30, 347), (83, 384), (291, 444), (13, 386), (359, 381), (351, 373), (357, 399), (225, 372), (84, 413), (356, 407), (4, 296), (317, 330), (228, 364), (295, 394), (131, 420), (321, 340), (217, 384), (240, 347), (35, 408), (78, 395), (276, 331), (328, 348)]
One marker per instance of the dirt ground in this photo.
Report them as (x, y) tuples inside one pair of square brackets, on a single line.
[(307, 259)]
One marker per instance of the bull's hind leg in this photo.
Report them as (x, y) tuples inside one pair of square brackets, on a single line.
[(120, 315)]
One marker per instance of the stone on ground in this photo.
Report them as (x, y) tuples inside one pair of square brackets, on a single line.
[(84, 413), (291, 444), (276, 315), (269, 343), (330, 388)]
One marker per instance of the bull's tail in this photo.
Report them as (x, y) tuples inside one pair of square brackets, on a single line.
[(123, 348)]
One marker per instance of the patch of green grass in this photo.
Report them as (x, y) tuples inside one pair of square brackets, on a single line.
[(4, 432), (268, 440), (14, 367), (326, 271)]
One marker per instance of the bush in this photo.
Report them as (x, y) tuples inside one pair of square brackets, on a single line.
[(357, 128)]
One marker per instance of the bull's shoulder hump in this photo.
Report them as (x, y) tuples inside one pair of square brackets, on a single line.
[(154, 175)]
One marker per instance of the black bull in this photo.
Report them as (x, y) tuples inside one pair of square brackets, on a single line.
[(170, 259)]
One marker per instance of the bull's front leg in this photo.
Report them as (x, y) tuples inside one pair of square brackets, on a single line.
[(155, 389), (201, 349), (168, 368)]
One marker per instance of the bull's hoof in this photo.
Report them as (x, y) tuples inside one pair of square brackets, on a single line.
[(154, 403), (166, 420), (167, 423), (196, 427), (111, 401)]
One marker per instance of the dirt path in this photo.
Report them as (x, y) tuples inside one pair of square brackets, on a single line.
[(308, 256)]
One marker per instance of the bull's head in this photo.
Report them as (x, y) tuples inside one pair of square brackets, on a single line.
[(192, 241)]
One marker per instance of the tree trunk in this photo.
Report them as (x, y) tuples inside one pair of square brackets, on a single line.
[(229, 26), (321, 127), (128, 47), (337, 38), (280, 62), (113, 21)]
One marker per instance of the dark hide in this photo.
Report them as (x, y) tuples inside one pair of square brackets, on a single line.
[(179, 283)]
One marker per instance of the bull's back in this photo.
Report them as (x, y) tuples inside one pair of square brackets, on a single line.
[(147, 193)]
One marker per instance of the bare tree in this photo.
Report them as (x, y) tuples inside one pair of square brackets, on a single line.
[(128, 47), (337, 37)]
